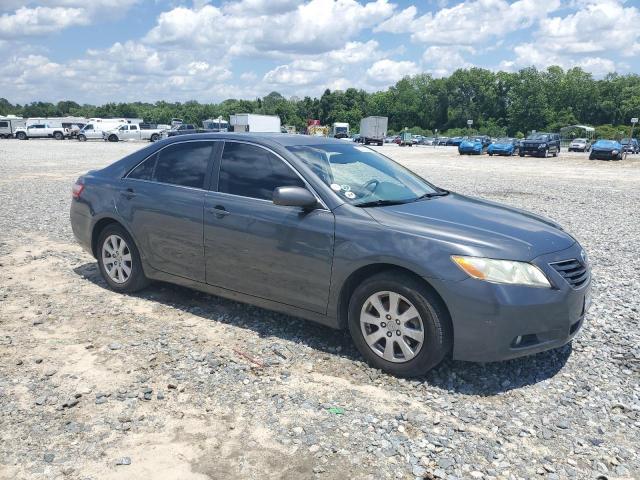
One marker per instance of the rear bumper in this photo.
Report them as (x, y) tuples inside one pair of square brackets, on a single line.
[(493, 322), (81, 224)]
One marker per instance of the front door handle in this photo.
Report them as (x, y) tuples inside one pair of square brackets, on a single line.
[(219, 211), (128, 193)]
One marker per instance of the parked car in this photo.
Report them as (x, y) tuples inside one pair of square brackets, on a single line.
[(131, 132), (504, 146), (356, 138), (40, 130), (428, 141), (579, 145), (339, 234), (389, 139), (94, 130), (474, 145), (442, 140), (540, 145), (606, 150), (455, 141), (630, 146), (180, 129)]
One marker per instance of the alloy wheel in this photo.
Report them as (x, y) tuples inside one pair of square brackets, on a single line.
[(116, 259), (392, 327)]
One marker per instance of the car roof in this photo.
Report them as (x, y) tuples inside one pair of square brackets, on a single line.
[(281, 139)]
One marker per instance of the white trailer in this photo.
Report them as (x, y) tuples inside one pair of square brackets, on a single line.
[(9, 125), (373, 130), (340, 130), (251, 122)]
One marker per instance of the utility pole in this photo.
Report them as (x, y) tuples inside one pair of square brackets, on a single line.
[(634, 120)]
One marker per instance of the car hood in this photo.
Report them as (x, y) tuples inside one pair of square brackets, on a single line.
[(476, 227), (501, 145), (470, 144)]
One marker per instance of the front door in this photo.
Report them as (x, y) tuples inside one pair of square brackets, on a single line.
[(258, 248), (162, 201)]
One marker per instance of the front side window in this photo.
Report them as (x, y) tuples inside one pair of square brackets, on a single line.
[(133, 127), (123, 128), (88, 127), (4, 124), (362, 176), (251, 171)]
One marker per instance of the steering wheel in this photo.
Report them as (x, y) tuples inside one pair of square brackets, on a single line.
[(373, 182)]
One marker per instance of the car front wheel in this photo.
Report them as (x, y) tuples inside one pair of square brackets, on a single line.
[(119, 260), (399, 325)]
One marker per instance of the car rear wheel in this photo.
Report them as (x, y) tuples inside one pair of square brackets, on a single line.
[(119, 260), (155, 137), (82, 138), (399, 325)]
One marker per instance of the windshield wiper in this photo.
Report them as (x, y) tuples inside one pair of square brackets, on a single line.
[(440, 193), (380, 203)]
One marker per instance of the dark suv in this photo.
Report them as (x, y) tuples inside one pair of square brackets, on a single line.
[(630, 146), (540, 145)]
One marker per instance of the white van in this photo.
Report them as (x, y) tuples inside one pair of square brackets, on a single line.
[(96, 126)]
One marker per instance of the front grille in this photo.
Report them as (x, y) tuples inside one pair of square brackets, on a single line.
[(574, 272)]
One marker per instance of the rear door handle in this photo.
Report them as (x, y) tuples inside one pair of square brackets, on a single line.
[(128, 193), (219, 211)]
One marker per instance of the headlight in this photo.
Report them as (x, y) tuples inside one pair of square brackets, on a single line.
[(614, 152), (502, 271), (542, 145)]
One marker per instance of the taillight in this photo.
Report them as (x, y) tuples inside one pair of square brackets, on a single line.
[(77, 190)]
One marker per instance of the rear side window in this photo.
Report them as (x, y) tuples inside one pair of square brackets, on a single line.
[(183, 164), (144, 171), (4, 124), (251, 171)]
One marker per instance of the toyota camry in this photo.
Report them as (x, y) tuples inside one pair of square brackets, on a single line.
[(336, 233)]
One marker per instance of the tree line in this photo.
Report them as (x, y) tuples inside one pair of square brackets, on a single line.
[(499, 103)]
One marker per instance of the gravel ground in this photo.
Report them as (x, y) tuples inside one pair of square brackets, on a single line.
[(171, 383)]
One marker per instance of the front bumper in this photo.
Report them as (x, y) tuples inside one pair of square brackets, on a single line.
[(493, 322), (469, 150), (500, 151), (603, 154)]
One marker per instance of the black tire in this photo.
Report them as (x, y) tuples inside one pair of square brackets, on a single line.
[(521, 154), (137, 279), (591, 157), (435, 317), (154, 137), (58, 135), (619, 156), (490, 154), (82, 138), (113, 138), (21, 136)]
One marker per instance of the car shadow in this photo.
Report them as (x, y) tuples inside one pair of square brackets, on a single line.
[(465, 378)]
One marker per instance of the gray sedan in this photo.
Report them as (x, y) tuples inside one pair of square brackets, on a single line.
[(336, 233)]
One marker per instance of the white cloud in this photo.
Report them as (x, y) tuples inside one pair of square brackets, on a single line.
[(592, 37), (471, 22), (313, 27), (55, 15), (441, 61), (386, 72)]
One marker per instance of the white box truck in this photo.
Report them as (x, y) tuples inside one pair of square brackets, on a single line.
[(252, 122), (9, 125), (340, 130), (373, 130)]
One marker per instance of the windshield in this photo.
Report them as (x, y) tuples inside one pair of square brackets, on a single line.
[(341, 129), (580, 140), (504, 140), (606, 143), (359, 175), (538, 136)]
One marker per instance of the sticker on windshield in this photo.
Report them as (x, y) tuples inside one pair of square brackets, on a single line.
[(350, 195), (335, 187), (346, 188)]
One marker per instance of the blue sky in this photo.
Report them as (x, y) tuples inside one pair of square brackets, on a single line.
[(96, 51)]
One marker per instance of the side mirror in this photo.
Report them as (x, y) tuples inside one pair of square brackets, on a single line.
[(294, 197)]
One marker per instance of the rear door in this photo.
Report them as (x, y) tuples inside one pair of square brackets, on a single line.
[(162, 200), (253, 246)]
